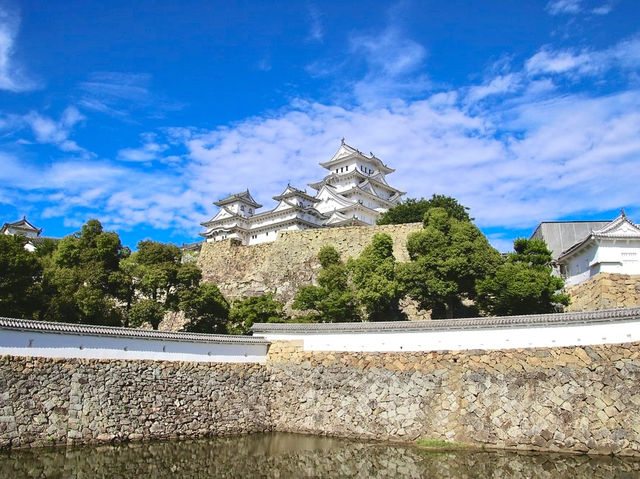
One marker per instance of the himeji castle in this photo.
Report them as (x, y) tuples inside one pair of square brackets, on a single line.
[(354, 192)]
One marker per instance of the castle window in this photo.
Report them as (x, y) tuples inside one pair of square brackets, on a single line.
[(251, 210), (242, 208)]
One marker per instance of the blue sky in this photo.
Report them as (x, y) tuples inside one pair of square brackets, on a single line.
[(141, 114)]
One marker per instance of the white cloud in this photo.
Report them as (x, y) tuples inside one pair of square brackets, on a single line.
[(557, 62), (574, 7), (558, 7), (12, 77), (553, 162), (625, 55), (603, 9), (495, 86), (392, 62), (149, 151), (47, 130)]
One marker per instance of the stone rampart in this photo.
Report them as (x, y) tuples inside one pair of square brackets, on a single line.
[(284, 265), (67, 401), (580, 399), (605, 290)]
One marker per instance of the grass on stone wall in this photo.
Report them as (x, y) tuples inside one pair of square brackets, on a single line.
[(437, 444)]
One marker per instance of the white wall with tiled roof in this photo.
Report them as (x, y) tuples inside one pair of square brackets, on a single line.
[(534, 331), (59, 340)]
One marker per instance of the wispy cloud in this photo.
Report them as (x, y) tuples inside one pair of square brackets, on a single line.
[(625, 55), (56, 132), (12, 76), (574, 7), (118, 94), (392, 61), (316, 29), (496, 85), (40, 128), (150, 150), (558, 7)]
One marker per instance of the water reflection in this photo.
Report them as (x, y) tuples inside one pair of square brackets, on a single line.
[(282, 455)]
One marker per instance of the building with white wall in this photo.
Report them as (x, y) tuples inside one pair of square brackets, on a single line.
[(25, 228), (354, 192), (613, 248)]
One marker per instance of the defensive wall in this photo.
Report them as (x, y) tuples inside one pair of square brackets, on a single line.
[(291, 261), (284, 265), (605, 290), (579, 395)]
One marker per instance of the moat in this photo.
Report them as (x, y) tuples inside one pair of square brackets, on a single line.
[(281, 455)]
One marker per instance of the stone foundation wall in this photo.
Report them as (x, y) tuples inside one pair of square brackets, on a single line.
[(573, 399), (284, 265), (54, 401), (579, 399), (604, 291)]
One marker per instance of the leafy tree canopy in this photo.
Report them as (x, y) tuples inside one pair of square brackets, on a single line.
[(83, 281), (373, 275), (333, 300), (20, 275), (413, 210), (447, 258), (146, 311), (156, 272), (205, 309), (524, 284), (364, 289), (258, 309)]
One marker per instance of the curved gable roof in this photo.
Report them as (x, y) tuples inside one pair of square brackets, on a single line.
[(242, 197)]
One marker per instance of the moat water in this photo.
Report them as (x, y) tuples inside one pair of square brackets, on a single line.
[(280, 455)]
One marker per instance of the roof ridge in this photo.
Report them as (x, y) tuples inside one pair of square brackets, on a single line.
[(99, 330), (609, 315)]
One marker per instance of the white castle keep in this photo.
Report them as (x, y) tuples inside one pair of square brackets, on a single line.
[(355, 192)]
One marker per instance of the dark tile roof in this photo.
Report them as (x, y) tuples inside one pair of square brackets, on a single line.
[(534, 320), (51, 327)]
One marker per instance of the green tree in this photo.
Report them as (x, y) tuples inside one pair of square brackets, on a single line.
[(413, 210), (20, 275), (205, 309), (373, 275), (447, 258), (333, 300), (258, 309), (156, 272), (523, 284), (157, 268), (146, 311), (82, 281)]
